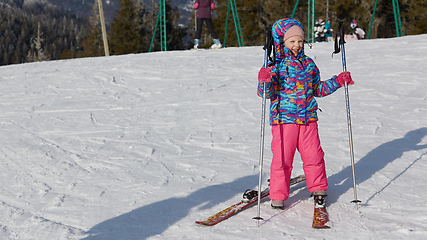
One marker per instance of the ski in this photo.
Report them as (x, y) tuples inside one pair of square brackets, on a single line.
[(320, 217), (204, 49), (253, 198)]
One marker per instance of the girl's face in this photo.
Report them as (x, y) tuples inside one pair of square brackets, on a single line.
[(295, 44)]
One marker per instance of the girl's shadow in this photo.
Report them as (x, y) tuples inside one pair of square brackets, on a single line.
[(155, 218), (374, 161)]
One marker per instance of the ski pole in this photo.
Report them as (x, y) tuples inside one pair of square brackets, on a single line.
[(347, 101), (264, 99)]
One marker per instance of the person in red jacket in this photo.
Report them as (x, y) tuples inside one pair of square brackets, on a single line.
[(204, 8)]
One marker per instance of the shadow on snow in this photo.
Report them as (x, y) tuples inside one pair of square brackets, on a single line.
[(155, 218), (374, 161)]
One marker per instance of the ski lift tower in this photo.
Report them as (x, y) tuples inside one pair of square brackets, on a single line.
[(232, 5), (397, 18), (161, 18)]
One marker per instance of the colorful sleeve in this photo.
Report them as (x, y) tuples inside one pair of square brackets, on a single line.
[(269, 87), (324, 88)]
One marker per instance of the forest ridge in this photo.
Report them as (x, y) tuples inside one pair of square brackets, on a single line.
[(42, 30)]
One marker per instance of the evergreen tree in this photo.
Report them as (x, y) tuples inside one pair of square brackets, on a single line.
[(93, 43), (415, 19), (175, 33), (127, 31), (251, 22), (39, 46), (20, 22)]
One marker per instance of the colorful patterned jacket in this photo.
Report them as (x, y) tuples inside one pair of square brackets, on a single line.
[(295, 82)]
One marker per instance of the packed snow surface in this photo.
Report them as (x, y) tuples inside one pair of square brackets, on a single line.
[(141, 146)]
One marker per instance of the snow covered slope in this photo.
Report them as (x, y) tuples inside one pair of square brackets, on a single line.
[(141, 146)]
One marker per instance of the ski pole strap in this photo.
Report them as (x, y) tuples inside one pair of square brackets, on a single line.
[(267, 34), (339, 34), (269, 45)]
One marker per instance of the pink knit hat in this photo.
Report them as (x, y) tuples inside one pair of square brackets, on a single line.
[(295, 30)]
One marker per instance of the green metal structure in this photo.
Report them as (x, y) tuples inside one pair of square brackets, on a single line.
[(161, 18), (162, 13), (397, 18), (232, 5), (311, 20), (295, 9)]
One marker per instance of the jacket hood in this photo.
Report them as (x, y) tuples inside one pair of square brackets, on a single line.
[(278, 31)]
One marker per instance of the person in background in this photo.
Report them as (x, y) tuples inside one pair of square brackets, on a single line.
[(204, 8), (357, 31), (319, 31), (329, 30)]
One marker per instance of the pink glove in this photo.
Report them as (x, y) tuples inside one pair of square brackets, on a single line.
[(343, 78), (196, 5), (212, 5), (264, 75)]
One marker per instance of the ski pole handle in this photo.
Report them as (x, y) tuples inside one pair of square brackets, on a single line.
[(267, 44), (267, 34), (342, 42), (339, 44), (341, 32)]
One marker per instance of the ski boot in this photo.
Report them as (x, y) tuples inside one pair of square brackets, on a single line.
[(277, 205), (196, 44), (248, 195), (319, 199), (217, 44)]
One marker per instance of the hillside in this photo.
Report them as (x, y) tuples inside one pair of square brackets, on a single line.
[(140, 146), (82, 8)]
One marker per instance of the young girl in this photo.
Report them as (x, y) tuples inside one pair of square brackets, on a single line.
[(291, 85)]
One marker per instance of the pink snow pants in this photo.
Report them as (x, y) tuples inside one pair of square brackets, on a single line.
[(286, 139)]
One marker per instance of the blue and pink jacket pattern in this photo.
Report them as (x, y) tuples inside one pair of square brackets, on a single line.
[(295, 82)]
